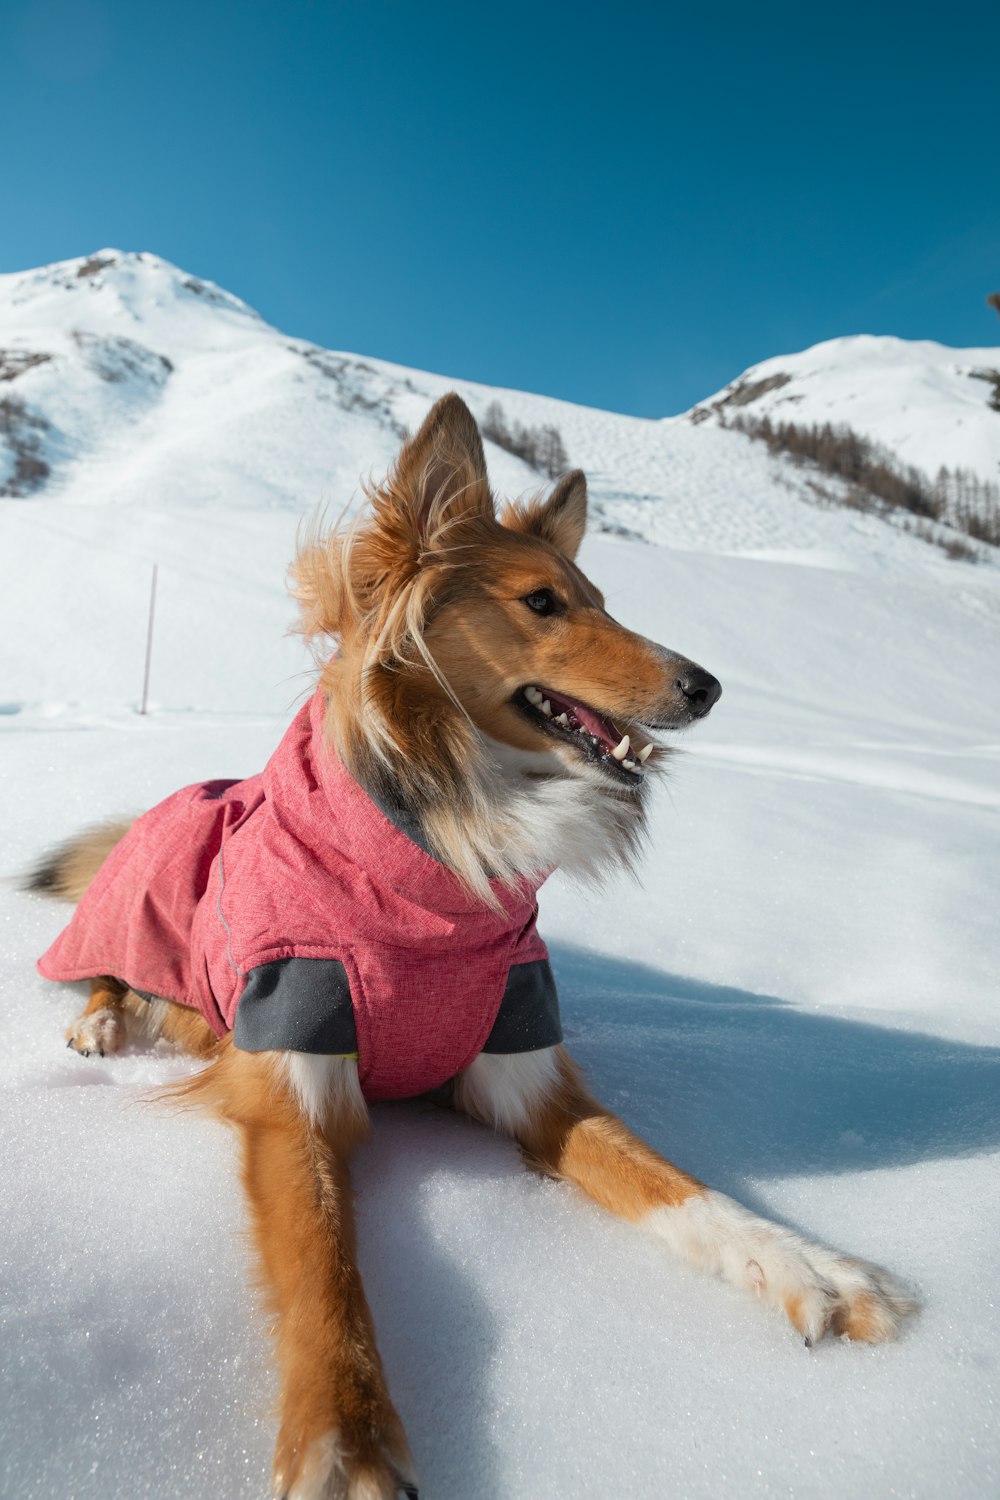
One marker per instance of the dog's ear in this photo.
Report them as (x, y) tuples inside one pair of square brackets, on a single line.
[(560, 520), (440, 475), (438, 478)]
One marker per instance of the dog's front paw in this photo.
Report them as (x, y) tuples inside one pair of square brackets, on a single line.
[(823, 1292), (100, 1031), (332, 1467), (820, 1290)]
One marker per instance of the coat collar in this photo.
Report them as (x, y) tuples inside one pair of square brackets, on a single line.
[(328, 807)]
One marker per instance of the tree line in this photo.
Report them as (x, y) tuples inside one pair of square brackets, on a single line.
[(877, 481)]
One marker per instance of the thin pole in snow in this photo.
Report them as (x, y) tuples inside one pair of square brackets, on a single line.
[(149, 640)]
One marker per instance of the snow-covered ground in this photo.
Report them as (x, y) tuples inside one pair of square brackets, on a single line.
[(928, 404), (798, 1002)]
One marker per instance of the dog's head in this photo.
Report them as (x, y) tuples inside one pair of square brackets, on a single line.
[(461, 630)]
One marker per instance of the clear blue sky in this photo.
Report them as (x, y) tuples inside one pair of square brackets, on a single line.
[(622, 205)]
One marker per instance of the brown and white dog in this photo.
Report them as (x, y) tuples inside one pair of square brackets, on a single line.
[(480, 684)]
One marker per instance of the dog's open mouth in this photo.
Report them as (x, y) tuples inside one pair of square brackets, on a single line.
[(592, 734)]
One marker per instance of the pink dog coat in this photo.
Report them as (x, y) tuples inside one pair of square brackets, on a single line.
[(293, 911)]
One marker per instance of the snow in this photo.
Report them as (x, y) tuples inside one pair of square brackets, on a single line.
[(798, 1002), (926, 403)]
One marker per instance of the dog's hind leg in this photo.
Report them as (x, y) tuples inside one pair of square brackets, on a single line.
[(115, 1015), (182, 1025), (298, 1118), (539, 1098), (102, 1027)]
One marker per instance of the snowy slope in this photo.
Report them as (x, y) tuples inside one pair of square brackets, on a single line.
[(928, 404), (798, 1002), (132, 379)]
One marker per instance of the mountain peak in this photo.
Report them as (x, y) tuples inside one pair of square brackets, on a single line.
[(928, 404), (124, 378), (135, 284)]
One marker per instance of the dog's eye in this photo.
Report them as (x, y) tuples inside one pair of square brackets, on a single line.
[(542, 601)]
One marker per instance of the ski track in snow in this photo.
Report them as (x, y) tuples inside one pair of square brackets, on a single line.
[(797, 1002)]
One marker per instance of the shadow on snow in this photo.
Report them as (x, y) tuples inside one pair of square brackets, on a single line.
[(735, 1085)]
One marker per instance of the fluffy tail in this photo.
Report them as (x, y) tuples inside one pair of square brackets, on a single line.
[(66, 873)]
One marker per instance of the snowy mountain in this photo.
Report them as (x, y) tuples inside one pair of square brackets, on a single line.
[(797, 1002), (125, 379), (927, 404)]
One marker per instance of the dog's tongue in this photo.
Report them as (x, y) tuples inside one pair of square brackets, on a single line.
[(579, 714)]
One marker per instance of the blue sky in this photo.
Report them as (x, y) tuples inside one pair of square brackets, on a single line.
[(623, 206)]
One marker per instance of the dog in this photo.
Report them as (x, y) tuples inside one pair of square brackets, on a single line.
[(358, 921)]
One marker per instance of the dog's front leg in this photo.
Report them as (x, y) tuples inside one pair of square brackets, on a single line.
[(539, 1098), (299, 1117)]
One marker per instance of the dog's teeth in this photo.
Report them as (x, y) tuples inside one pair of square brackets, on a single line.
[(629, 765), (620, 751), (546, 707), (644, 755), (533, 695), (561, 719)]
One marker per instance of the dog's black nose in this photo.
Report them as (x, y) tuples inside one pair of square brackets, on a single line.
[(701, 689)]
